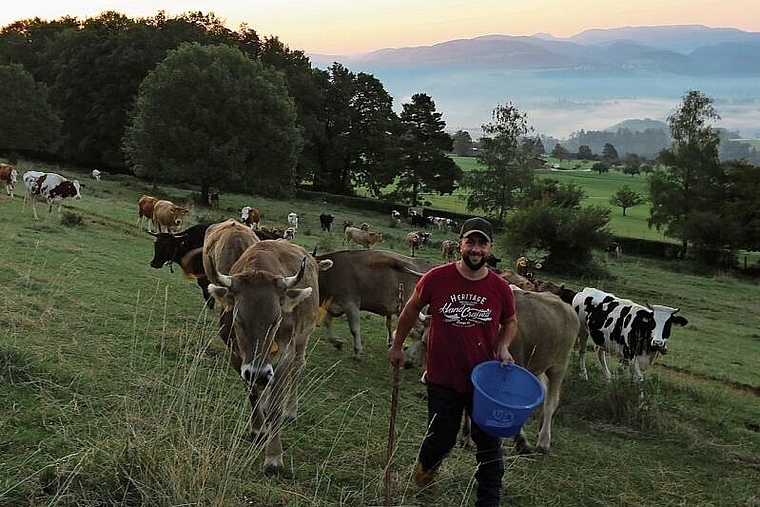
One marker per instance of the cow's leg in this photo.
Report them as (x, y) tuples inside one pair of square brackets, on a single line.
[(602, 356), (554, 376), (331, 336), (277, 396), (354, 323), (34, 208), (582, 355), (388, 326)]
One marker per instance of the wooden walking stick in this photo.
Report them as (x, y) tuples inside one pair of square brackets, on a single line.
[(392, 424)]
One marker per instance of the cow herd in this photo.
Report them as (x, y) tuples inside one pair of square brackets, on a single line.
[(272, 293)]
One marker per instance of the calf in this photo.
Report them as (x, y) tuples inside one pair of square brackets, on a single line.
[(50, 187), (413, 240), (613, 249), (168, 215), (293, 220), (95, 174), (145, 206), (9, 176), (250, 217), (449, 249), (360, 237), (326, 221), (623, 327)]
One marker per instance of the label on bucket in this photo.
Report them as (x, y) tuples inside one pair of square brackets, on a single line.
[(500, 417)]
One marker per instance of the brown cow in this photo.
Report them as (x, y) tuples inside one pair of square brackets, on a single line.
[(9, 176), (546, 333), (223, 244), (168, 215), (272, 298), (145, 206), (360, 237), (366, 280), (525, 267), (449, 249), (413, 240), (250, 216)]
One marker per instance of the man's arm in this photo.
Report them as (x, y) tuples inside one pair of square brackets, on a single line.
[(506, 335)]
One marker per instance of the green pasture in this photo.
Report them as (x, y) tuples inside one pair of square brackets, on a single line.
[(116, 390)]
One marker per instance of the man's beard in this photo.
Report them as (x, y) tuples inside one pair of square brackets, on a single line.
[(472, 265)]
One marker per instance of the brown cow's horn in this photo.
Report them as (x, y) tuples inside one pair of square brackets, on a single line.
[(413, 272), (289, 281), (226, 280)]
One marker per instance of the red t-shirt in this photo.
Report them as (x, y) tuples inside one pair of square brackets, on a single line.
[(466, 316)]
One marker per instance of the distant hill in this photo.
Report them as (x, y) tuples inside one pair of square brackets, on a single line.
[(590, 81), (640, 125)]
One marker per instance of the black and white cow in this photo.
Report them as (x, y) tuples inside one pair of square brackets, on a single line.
[(620, 326)]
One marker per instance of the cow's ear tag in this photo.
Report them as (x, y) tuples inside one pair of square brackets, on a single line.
[(274, 348)]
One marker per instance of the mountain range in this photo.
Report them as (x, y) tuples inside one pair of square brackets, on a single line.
[(591, 81)]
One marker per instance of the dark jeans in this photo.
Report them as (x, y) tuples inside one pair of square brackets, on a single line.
[(445, 409)]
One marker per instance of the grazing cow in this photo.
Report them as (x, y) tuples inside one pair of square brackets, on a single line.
[(168, 215), (95, 174), (50, 187), (418, 220), (413, 240), (395, 217), (213, 199), (145, 206), (613, 249), (546, 332), (620, 326), (9, 176), (250, 217), (271, 298), (525, 267), (293, 220), (326, 221), (360, 237), (449, 249), (366, 280), (170, 248)]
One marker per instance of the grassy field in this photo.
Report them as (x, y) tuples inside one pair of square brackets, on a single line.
[(116, 390)]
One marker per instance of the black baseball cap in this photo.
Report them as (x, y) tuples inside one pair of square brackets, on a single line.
[(477, 225)]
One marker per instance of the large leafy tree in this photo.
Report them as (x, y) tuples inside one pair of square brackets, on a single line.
[(425, 166), (506, 163), (210, 115), (359, 131), (30, 124), (687, 191), (551, 223), (626, 198), (462, 143)]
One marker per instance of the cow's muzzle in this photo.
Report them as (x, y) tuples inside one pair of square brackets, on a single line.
[(259, 377)]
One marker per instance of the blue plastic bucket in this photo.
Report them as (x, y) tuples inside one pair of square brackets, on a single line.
[(504, 397)]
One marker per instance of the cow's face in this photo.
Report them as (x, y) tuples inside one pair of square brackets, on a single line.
[(260, 303), (163, 250), (77, 189), (664, 317), (244, 213), (14, 176)]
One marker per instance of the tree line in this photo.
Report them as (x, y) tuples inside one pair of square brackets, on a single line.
[(184, 99)]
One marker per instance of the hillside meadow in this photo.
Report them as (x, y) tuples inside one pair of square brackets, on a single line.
[(116, 390)]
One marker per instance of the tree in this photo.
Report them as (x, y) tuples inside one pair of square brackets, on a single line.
[(609, 154), (560, 152), (585, 153), (690, 182), (600, 167), (506, 164), (209, 115), (462, 143), (30, 125), (631, 164), (742, 207), (626, 198), (424, 144)]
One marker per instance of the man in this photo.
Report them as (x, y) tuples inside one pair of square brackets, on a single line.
[(473, 320)]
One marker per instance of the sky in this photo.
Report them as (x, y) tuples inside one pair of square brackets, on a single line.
[(344, 27)]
